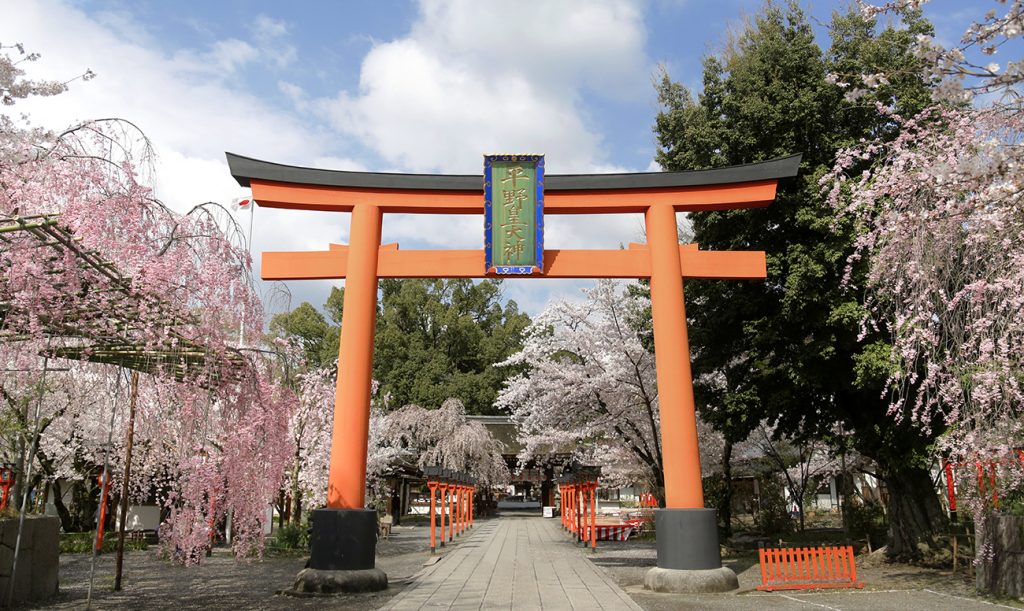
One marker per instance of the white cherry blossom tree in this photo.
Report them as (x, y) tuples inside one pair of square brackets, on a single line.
[(590, 387)]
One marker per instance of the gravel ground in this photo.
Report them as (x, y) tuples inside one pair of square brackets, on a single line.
[(886, 586), (223, 583)]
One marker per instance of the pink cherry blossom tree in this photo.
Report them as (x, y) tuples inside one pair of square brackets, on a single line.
[(971, 67), (93, 265), (938, 209)]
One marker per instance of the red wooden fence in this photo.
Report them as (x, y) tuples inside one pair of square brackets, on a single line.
[(806, 568)]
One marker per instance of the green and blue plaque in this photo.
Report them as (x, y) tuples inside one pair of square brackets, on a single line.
[(514, 214)]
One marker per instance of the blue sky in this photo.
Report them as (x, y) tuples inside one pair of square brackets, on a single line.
[(386, 86)]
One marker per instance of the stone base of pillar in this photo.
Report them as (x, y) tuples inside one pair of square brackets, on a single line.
[(689, 558), (722, 579), (315, 581)]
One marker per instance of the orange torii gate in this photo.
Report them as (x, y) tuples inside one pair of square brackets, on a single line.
[(343, 534)]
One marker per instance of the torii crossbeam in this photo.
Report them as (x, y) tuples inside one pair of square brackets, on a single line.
[(659, 196)]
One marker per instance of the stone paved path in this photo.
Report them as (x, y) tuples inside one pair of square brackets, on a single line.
[(514, 563)]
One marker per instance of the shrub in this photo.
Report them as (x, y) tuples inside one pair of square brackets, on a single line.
[(772, 517), (1013, 502), (81, 543), (866, 521), (715, 493), (290, 537)]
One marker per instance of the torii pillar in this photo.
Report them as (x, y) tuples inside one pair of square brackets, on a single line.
[(344, 534)]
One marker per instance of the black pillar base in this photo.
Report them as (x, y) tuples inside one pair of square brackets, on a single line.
[(689, 559), (343, 539), (687, 539)]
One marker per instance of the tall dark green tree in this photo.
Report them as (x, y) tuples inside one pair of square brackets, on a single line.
[(311, 330), (788, 349), (435, 340), (440, 339)]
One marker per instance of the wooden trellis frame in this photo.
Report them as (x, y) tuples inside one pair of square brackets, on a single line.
[(113, 334)]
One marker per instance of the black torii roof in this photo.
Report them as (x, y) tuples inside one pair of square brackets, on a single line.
[(245, 169)]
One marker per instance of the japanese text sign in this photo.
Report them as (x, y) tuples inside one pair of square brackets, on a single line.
[(514, 214)]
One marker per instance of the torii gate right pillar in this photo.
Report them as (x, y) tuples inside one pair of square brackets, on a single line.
[(689, 557), (681, 461)]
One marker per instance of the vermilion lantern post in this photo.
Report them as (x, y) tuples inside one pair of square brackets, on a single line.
[(443, 488), (457, 500), (574, 507), (457, 505), (594, 475), (584, 519), (450, 476), (462, 504), (7, 480), (472, 501), (561, 503), (432, 473), (103, 479), (465, 509)]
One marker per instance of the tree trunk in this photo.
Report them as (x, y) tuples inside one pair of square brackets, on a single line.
[(62, 510), (546, 489), (725, 511), (844, 486), (295, 510), (282, 507), (396, 501), (915, 514), (659, 485)]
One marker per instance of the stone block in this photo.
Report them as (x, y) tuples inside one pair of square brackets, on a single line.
[(1004, 574), (687, 539), (36, 577), (45, 557), (22, 578), (8, 532), (343, 539)]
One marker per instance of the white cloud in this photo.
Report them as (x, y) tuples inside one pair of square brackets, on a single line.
[(468, 79), (560, 45), (224, 57), (270, 36), (267, 27), (474, 78)]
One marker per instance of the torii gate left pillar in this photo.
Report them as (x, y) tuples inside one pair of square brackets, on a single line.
[(344, 534)]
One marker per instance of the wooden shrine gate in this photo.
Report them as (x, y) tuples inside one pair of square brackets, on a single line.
[(658, 196)]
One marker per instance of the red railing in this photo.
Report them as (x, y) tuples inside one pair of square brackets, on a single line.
[(807, 568)]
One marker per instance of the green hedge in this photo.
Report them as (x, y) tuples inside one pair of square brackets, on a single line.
[(81, 543)]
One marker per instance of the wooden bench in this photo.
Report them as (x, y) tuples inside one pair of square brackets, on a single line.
[(808, 568)]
